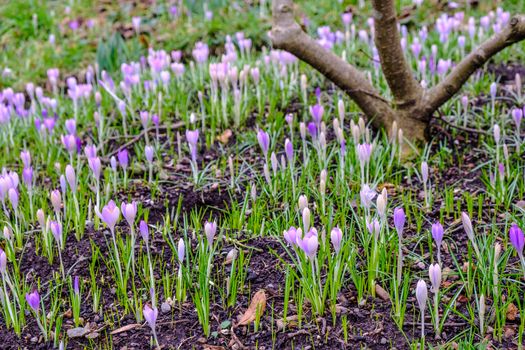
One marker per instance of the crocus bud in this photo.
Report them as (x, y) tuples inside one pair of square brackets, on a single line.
[(113, 163), (3, 261), (144, 230), (434, 273), (33, 300), (367, 195), (497, 133), (181, 250), (291, 235), (306, 219), (210, 229), (424, 171), (336, 236), (56, 230), (71, 178), (437, 233), (288, 149), (264, 141), (41, 218), (123, 158), (148, 152), (129, 211), (303, 202), (517, 239), (96, 166), (56, 200), (8, 233), (151, 316), (13, 198), (374, 228), (302, 130), (25, 156), (76, 287), (309, 243), (421, 295), (399, 220), (467, 226), (381, 205)]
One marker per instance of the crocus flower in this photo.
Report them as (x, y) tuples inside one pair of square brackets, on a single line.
[(13, 198), (517, 239), (25, 156), (291, 235), (71, 178), (33, 300), (434, 273), (56, 229), (181, 250), (123, 158), (110, 214), (192, 136), (364, 151), (76, 287), (148, 152), (151, 316), (309, 243), (422, 296), (374, 228), (336, 236), (467, 226), (306, 219), (264, 141), (3, 261), (497, 133), (210, 229), (96, 166), (424, 171), (303, 202), (399, 220), (288, 149), (129, 211), (367, 195), (27, 176), (56, 200), (437, 233), (144, 230), (317, 112)]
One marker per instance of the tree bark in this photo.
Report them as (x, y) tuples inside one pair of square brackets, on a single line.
[(412, 107)]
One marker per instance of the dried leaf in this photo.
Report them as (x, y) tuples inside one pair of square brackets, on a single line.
[(225, 136), (258, 304), (212, 347), (125, 328), (382, 293), (512, 312)]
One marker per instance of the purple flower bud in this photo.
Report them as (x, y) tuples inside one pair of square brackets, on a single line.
[(27, 176), (56, 230), (56, 200), (71, 126), (69, 142), (421, 295), (181, 250), (346, 18), (113, 163), (399, 220), (129, 211), (336, 236), (364, 152), (517, 239), (317, 112), (144, 118), (148, 151), (309, 243), (76, 287), (13, 198), (71, 178), (90, 151), (288, 148), (25, 156), (434, 273), (291, 235), (155, 119), (123, 158), (493, 90), (110, 214), (424, 171), (151, 316), (33, 300), (312, 130), (210, 228), (3, 261), (192, 136), (144, 230), (264, 141), (95, 166), (437, 233), (517, 115)]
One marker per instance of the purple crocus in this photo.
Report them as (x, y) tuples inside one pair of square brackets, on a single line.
[(210, 229), (129, 211), (96, 166), (399, 220), (150, 314), (317, 112), (336, 236), (149, 152), (437, 233), (56, 229), (71, 178), (264, 141), (309, 243), (291, 235), (364, 151), (192, 136), (33, 300), (76, 287), (181, 248), (517, 239), (110, 214), (25, 156), (123, 158), (288, 149), (144, 230)]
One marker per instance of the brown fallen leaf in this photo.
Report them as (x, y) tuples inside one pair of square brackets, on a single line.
[(258, 304), (291, 321), (512, 312), (125, 328), (212, 347), (382, 293), (225, 136)]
